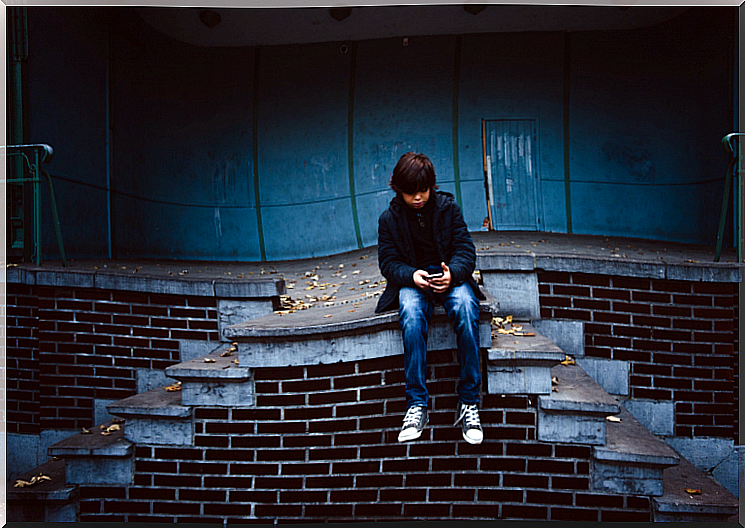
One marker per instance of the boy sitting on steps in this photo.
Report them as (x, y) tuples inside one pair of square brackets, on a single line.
[(427, 256)]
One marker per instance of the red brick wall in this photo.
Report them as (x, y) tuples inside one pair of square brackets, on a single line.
[(85, 344), (679, 336), (321, 444), (22, 363)]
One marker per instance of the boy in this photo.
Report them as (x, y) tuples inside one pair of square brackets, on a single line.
[(427, 256)]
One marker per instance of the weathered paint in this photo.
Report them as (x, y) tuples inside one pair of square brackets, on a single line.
[(217, 156)]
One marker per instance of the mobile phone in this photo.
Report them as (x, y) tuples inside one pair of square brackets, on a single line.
[(433, 276)]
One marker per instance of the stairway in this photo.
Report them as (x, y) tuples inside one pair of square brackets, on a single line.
[(570, 409)]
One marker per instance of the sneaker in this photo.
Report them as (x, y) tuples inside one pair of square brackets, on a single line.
[(470, 424), (414, 421)]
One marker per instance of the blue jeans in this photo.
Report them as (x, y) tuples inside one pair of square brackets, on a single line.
[(415, 310)]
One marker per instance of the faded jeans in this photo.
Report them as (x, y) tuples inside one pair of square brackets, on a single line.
[(415, 311)]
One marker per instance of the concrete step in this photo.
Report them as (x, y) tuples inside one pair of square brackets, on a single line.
[(342, 331), (155, 417), (49, 501), (95, 458), (576, 411), (632, 459), (214, 380), (521, 364), (714, 504)]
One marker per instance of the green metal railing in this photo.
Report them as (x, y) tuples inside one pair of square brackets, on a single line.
[(34, 156), (735, 164)]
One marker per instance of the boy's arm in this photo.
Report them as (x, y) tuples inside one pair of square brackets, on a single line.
[(392, 265)]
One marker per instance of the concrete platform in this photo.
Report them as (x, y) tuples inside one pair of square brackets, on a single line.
[(514, 250)]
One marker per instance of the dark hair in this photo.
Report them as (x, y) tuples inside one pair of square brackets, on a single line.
[(413, 172)]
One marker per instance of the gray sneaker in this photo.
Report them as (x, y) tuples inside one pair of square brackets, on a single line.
[(414, 421), (468, 416)]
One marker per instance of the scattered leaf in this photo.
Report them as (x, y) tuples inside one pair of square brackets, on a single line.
[(86, 431), (613, 419), (36, 479), (235, 361), (693, 491), (554, 380), (118, 420), (568, 361), (327, 316), (554, 389), (174, 388), (209, 360)]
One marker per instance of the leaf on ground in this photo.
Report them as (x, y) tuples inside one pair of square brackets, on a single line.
[(693, 491), (568, 361), (86, 431), (554, 380), (613, 419), (174, 388), (209, 360)]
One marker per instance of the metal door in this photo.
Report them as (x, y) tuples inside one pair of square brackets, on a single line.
[(511, 174)]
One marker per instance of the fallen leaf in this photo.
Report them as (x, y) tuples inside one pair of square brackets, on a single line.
[(327, 316), (568, 361), (86, 431), (693, 491), (554, 380), (174, 388), (613, 419), (209, 360), (554, 389), (235, 361), (118, 420)]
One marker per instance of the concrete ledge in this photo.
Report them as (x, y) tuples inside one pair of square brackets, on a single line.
[(116, 280), (343, 332), (625, 267)]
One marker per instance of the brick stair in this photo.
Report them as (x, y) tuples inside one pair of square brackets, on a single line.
[(626, 458)]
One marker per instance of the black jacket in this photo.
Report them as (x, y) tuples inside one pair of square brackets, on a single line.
[(396, 253)]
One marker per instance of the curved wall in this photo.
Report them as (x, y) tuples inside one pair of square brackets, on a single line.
[(284, 152)]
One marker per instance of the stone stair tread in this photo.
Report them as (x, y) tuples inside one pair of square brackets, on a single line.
[(714, 498), (630, 441), (219, 368), (537, 347), (51, 490), (155, 402), (93, 444), (576, 391)]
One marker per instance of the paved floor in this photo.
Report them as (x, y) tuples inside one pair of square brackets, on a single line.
[(355, 276)]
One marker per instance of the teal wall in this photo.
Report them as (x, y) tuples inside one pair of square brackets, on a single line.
[(284, 152)]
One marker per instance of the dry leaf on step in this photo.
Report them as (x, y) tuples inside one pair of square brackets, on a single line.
[(613, 419), (693, 491)]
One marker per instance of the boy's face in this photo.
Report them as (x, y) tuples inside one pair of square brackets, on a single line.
[(416, 200)]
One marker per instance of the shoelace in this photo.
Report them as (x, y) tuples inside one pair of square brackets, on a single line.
[(471, 414), (413, 416)]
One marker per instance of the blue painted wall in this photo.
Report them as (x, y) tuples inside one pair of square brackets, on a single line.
[(285, 152)]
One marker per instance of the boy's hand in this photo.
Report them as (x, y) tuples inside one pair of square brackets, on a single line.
[(420, 279), (441, 284)]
